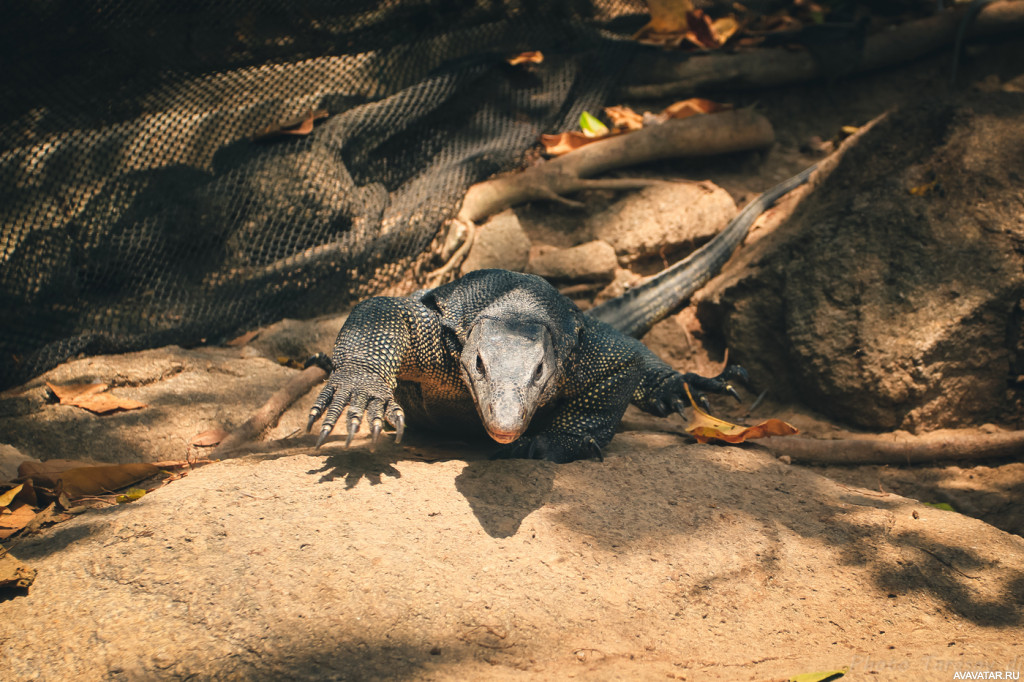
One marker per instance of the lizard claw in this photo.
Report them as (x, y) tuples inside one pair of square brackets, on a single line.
[(375, 433), (324, 432), (399, 426), (733, 392), (353, 426)]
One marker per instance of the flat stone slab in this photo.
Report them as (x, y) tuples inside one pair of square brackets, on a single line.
[(427, 561)]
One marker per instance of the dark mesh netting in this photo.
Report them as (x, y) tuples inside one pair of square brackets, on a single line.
[(140, 208)]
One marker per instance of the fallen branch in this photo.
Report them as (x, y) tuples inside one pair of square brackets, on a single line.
[(704, 135), (267, 415), (670, 74), (939, 446)]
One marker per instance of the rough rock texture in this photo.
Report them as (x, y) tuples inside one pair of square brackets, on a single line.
[(186, 392), (500, 243), (593, 261), (666, 561), (893, 297), (665, 217)]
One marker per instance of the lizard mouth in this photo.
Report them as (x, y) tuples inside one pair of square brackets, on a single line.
[(503, 437)]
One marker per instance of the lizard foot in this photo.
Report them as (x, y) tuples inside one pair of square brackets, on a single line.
[(671, 395)]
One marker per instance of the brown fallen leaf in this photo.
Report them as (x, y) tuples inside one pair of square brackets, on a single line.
[(209, 438), (704, 427), (701, 32), (624, 118), (302, 125), (243, 339), (531, 57), (921, 190), (668, 23), (44, 473), (99, 480), (93, 397), (693, 106), (77, 479), (13, 520)]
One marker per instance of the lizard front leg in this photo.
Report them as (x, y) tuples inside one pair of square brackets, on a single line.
[(380, 337), (662, 390)]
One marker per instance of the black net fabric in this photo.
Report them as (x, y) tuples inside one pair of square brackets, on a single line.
[(139, 207)]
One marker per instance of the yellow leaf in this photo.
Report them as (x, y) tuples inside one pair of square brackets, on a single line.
[(8, 497), (704, 427), (130, 496)]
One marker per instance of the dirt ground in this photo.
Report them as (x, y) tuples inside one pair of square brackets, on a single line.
[(428, 561)]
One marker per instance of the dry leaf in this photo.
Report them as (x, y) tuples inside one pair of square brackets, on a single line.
[(531, 57), (244, 338), (624, 118), (701, 33), (704, 427), (93, 397), (45, 473), (11, 521), (103, 479), (8, 497), (15, 574), (67, 394), (921, 190), (77, 479), (668, 17), (725, 28), (298, 126), (563, 143), (695, 105), (209, 438)]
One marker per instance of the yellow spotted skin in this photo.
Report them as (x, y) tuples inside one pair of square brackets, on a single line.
[(404, 359)]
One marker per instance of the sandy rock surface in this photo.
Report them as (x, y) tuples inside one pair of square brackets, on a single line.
[(665, 561)]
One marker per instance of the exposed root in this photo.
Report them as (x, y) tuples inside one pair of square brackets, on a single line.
[(896, 449)]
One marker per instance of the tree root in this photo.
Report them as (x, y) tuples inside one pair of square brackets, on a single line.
[(268, 414), (675, 75), (703, 135), (939, 446)]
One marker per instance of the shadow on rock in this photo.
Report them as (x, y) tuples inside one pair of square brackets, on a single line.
[(357, 464), (503, 493)]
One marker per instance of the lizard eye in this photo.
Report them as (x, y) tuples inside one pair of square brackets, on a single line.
[(480, 365)]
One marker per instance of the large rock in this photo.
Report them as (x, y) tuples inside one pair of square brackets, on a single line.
[(893, 297), (665, 561), (501, 242), (664, 217), (593, 261)]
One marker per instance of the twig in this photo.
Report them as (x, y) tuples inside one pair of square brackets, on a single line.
[(663, 74), (939, 446), (267, 415)]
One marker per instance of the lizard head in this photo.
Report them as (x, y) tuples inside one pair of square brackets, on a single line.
[(509, 368)]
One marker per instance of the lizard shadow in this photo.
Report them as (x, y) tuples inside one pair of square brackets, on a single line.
[(501, 493)]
